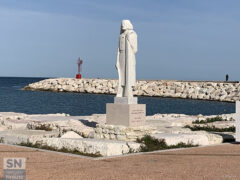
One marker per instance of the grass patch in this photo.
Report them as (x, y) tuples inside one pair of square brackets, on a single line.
[(44, 127), (64, 150), (211, 128), (209, 120), (152, 144)]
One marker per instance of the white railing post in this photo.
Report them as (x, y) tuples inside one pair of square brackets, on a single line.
[(237, 121)]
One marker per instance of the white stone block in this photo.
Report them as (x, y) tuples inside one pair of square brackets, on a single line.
[(198, 138), (71, 135)]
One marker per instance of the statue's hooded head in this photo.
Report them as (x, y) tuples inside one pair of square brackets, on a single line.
[(126, 25)]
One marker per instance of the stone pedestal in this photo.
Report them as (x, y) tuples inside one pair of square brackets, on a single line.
[(237, 121), (126, 114)]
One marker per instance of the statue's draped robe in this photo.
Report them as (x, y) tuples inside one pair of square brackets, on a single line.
[(126, 62)]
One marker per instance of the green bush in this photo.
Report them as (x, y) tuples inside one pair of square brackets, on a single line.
[(209, 120), (44, 127), (211, 128), (152, 144)]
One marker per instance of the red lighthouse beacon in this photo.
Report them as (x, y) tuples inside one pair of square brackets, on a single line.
[(79, 62)]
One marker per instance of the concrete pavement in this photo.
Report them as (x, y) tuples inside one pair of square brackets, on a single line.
[(211, 162)]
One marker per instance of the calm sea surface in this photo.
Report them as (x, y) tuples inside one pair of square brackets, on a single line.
[(13, 99)]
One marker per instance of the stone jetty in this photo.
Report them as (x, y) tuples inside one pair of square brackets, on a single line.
[(203, 90)]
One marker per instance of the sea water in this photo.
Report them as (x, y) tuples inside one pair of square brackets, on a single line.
[(13, 99)]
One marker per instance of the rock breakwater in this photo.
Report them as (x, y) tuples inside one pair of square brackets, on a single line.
[(204, 90)]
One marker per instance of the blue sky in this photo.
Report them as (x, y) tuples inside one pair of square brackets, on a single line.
[(178, 39)]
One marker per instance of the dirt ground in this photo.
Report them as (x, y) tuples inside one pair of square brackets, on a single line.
[(220, 162)]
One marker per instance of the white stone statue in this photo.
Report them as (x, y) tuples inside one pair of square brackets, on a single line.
[(125, 110), (126, 62)]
